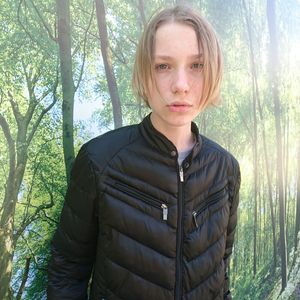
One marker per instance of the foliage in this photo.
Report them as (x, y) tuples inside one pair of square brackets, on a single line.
[(29, 54)]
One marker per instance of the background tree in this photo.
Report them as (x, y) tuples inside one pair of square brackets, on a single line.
[(24, 104), (274, 78), (68, 87), (31, 74), (105, 50), (297, 225)]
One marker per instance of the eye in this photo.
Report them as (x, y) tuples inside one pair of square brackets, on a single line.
[(161, 67), (197, 66)]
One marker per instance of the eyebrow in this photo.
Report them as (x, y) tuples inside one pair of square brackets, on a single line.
[(167, 57)]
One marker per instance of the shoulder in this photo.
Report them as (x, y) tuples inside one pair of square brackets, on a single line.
[(209, 147), (102, 148)]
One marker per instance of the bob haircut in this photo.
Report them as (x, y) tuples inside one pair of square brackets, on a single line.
[(207, 41)]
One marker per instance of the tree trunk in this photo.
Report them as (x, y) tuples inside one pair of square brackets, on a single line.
[(266, 156), (6, 242), (255, 175), (111, 80), (17, 164), (274, 78), (24, 279), (17, 145), (141, 8), (286, 179), (297, 223), (68, 88), (6, 252)]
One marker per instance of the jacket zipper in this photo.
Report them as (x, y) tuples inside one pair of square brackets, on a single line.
[(145, 198), (210, 201), (179, 243)]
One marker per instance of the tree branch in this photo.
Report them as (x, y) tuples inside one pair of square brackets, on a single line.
[(38, 209), (15, 109), (1, 96), (84, 48), (44, 111), (20, 22), (244, 121), (120, 57), (28, 201), (5, 128), (49, 218), (35, 41), (24, 278), (44, 23), (32, 253), (94, 35), (38, 72), (11, 145), (33, 217)]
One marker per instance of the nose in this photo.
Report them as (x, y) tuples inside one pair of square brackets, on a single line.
[(180, 82)]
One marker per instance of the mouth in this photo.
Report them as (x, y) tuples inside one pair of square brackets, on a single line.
[(179, 104), (179, 107)]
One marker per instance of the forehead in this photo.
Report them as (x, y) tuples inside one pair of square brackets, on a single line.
[(175, 38)]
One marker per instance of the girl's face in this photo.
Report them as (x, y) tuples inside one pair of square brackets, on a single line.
[(176, 89)]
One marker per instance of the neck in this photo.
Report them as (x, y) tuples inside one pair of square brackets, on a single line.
[(183, 140), (181, 136)]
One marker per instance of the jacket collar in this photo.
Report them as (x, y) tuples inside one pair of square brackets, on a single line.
[(161, 142)]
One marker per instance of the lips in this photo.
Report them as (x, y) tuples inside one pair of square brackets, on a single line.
[(179, 107)]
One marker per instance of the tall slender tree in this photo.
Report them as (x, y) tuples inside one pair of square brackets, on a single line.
[(255, 157), (18, 145), (107, 60), (274, 80), (297, 223), (68, 87), (257, 109)]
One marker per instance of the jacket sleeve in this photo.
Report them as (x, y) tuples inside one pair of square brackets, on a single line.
[(74, 243), (234, 188)]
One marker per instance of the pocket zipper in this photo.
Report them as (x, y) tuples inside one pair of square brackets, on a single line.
[(214, 199), (145, 198)]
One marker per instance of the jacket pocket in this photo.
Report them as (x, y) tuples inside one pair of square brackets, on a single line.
[(138, 195), (211, 204)]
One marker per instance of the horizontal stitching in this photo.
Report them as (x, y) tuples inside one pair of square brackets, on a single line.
[(111, 194), (208, 247), (158, 190), (75, 214), (139, 275), (220, 186), (117, 152), (146, 246), (106, 288), (207, 278), (116, 295)]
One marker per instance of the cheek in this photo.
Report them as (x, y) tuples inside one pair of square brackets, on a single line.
[(158, 86), (150, 89), (198, 87), (162, 83)]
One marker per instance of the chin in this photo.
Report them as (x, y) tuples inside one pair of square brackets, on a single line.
[(180, 121)]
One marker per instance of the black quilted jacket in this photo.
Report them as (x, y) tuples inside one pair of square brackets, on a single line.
[(144, 227)]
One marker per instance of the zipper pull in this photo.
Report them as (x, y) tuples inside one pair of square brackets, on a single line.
[(181, 174), (195, 218), (165, 211)]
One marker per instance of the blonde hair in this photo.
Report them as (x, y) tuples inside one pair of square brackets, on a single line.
[(208, 43)]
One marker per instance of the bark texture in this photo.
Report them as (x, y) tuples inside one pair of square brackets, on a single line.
[(106, 55), (68, 88), (274, 80)]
